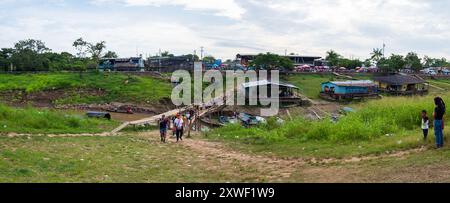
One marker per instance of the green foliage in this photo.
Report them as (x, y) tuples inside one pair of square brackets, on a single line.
[(30, 120), (137, 89), (435, 62), (333, 58), (413, 61), (110, 54), (209, 59), (373, 119), (271, 61), (349, 63), (377, 55)]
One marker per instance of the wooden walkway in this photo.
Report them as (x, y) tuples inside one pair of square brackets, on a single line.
[(210, 106)]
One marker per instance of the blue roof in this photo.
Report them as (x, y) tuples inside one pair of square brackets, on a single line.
[(353, 83)]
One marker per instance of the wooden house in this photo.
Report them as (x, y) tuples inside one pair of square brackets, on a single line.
[(401, 84)]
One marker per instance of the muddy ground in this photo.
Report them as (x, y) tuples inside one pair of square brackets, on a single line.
[(48, 98)]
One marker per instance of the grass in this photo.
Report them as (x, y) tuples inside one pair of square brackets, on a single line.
[(30, 120), (130, 159), (117, 87), (360, 133)]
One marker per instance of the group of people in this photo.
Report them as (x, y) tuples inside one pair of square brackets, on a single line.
[(438, 115), (178, 123)]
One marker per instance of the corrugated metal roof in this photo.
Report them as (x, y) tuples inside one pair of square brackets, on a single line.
[(266, 82), (399, 79), (354, 83)]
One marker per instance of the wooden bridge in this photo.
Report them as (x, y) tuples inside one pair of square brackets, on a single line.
[(205, 109)]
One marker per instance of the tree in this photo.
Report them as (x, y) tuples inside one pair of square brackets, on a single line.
[(333, 58), (350, 64), (192, 57), (28, 55), (81, 46), (427, 61), (167, 54), (367, 63), (271, 61), (5, 58), (110, 54), (36, 46), (96, 49), (393, 64), (439, 62), (209, 59), (377, 55), (413, 61), (435, 62)]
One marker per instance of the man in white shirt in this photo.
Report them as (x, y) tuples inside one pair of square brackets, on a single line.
[(179, 127)]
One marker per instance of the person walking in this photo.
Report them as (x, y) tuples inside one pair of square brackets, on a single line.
[(439, 112), (425, 124), (178, 123), (163, 126)]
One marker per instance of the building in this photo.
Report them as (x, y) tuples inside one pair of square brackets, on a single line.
[(348, 90), (170, 64), (402, 84), (288, 93), (122, 64), (246, 59)]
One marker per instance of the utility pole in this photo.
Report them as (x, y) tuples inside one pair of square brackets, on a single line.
[(201, 53), (195, 54), (159, 60), (384, 47)]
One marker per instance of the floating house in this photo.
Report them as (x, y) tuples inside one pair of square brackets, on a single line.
[(402, 84), (246, 59), (349, 90), (122, 64), (288, 93), (170, 63)]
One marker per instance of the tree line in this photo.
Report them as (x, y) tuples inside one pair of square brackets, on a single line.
[(34, 55), (393, 63)]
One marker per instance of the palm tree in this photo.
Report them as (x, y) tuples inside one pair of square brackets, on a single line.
[(377, 55), (332, 58)]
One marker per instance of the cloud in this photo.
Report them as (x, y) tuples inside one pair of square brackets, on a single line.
[(227, 27), (226, 8)]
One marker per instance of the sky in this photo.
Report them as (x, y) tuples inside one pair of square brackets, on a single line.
[(228, 27)]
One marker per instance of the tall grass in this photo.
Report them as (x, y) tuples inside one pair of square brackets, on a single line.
[(376, 118), (30, 120)]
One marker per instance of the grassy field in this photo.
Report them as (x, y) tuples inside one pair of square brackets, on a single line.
[(116, 87), (130, 158), (30, 120), (138, 158)]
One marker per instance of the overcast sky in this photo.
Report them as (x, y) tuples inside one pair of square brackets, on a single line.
[(227, 27)]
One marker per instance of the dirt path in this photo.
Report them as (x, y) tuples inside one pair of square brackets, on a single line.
[(266, 168), (272, 168)]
